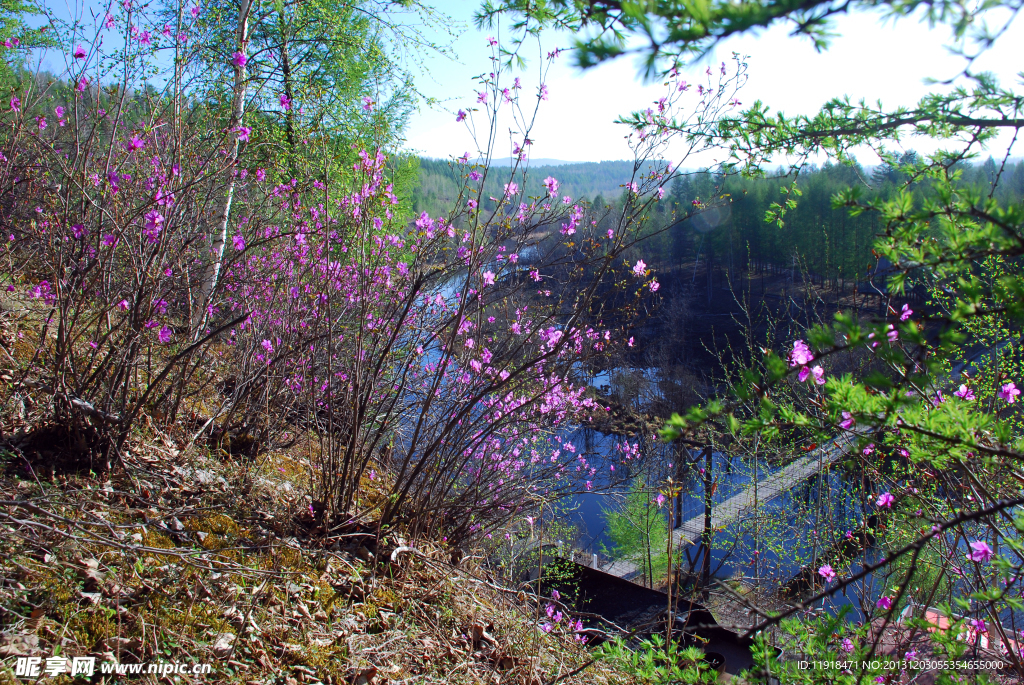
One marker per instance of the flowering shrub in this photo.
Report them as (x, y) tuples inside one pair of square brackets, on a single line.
[(182, 274)]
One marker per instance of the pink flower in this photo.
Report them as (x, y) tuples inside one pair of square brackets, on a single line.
[(108, 22), (964, 393), (801, 354), (819, 375), (660, 499), (884, 603), (511, 189), (906, 312), (981, 551), (847, 646), (194, 10), (460, 116), (261, 175), (286, 102), (154, 224), (239, 59), (1009, 392), (367, 104), (847, 421), (79, 52), (110, 240), (268, 346), (491, 42), (470, 342), (543, 92), (136, 143), (488, 278), (654, 286), (639, 267), (123, 305), (144, 38), (805, 372), (238, 242), (167, 31), (78, 230), (82, 84), (535, 275), (885, 500), (243, 133), (15, 103), (164, 335), (827, 572), (551, 184), (630, 342)]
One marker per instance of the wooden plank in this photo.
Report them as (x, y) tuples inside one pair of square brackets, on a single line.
[(734, 508)]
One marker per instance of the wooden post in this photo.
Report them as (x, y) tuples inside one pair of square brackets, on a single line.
[(706, 535)]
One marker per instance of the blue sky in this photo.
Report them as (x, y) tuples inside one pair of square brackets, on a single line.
[(872, 58)]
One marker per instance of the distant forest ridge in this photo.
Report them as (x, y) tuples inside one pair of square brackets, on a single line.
[(828, 240), (438, 181)]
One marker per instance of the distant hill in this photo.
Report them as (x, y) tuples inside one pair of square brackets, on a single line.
[(438, 183)]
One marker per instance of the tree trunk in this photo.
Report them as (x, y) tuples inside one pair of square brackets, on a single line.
[(220, 235)]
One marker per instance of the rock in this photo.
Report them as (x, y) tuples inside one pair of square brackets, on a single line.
[(222, 645), (18, 645)]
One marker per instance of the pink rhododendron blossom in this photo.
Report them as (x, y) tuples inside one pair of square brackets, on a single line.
[(827, 572), (153, 226), (238, 242), (885, 500), (79, 52), (639, 267), (1009, 392), (847, 421), (964, 393), (488, 278), (654, 286), (906, 312), (819, 375), (368, 104), (286, 102), (551, 184), (980, 551), (243, 133), (15, 103), (884, 603), (165, 335), (801, 354), (239, 59), (461, 116)]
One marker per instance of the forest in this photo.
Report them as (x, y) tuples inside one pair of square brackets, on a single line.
[(282, 402)]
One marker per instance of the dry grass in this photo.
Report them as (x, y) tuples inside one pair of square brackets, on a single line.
[(184, 558)]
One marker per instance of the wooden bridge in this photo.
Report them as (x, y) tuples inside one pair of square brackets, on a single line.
[(738, 506)]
